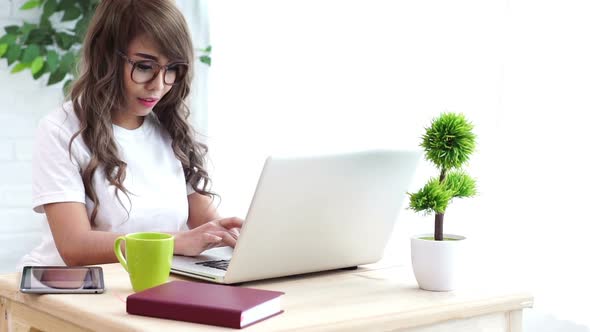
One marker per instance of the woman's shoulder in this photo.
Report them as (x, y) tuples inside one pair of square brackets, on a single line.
[(62, 119)]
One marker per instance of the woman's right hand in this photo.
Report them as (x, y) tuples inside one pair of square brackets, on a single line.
[(215, 233)]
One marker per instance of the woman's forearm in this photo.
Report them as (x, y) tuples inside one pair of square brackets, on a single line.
[(97, 247), (92, 247), (201, 210)]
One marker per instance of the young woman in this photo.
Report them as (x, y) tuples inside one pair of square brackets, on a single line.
[(120, 156)]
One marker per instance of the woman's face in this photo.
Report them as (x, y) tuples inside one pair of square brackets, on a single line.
[(141, 97)]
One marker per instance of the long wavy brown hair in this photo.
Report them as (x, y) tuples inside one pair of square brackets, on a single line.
[(99, 90)]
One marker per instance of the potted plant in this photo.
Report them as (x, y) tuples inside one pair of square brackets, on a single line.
[(448, 144)]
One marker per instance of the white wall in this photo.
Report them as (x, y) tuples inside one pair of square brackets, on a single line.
[(24, 102), (303, 76)]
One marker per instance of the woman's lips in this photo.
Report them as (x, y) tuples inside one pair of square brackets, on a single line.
[(148, 102)]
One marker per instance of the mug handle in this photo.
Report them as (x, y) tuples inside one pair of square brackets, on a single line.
[(118, 252)]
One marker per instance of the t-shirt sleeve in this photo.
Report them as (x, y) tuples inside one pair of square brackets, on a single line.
[(56, 176), (189, 189)]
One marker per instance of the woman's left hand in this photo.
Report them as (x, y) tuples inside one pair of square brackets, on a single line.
[(215, 233)]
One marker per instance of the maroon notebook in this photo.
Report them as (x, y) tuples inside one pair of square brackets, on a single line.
[(205, 303)]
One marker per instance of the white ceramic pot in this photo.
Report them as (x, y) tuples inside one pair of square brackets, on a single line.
[(438, 264)]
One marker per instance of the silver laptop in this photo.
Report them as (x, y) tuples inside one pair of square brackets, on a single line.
[(311, 214)]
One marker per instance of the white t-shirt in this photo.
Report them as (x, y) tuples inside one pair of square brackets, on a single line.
[(154, 177)]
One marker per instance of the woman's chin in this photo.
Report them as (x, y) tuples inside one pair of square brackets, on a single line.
[(142, 111)]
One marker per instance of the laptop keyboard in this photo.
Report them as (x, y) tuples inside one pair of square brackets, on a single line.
[(220, 265)]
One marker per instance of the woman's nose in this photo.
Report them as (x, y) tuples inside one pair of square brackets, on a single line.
[(158, 82)]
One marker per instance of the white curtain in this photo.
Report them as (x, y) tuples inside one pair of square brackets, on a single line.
[(308, 76), (197, 17)]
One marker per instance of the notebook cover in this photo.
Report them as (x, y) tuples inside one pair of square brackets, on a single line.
[(199, 302)]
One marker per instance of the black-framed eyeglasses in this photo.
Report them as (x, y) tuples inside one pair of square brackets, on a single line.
[(145, 71)]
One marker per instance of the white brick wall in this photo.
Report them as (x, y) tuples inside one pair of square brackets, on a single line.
[(24, 102), (5, 8)]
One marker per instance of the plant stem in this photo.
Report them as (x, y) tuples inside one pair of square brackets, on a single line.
[(443, 175), (439, 217), (438, 226)]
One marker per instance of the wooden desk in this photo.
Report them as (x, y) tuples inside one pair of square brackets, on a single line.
[(373, 298)]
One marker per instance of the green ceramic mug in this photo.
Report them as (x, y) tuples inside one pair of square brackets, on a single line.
[(149, 257)]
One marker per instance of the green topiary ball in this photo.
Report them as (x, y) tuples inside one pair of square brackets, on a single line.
[(449, 141)]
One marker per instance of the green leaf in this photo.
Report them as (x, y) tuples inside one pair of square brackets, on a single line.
[(12, 29), (8, 39), (19, 67), (27, 27), (205, 59), (40, 72), (49, 8), (30, 53), (44, 22), (13, 53), (37, 64), (31, 4), (66, 65), (208, 49), (41, 36), (3, 48), (65, 4), (66, 87), (88, 7), (64, 40), (57, 76), (71, 13), (26, 30), (82, 26), (67, 60), (52, 61)]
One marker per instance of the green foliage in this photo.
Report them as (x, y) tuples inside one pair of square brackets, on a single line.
[(206, 57), (449, 141), (433, 197), (31, 4), (44, 48), (460, 184)]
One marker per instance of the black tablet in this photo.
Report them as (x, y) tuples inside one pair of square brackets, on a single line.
[(62, 279)]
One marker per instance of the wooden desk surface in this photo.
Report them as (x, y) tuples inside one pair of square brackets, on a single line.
[(374, 297)]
